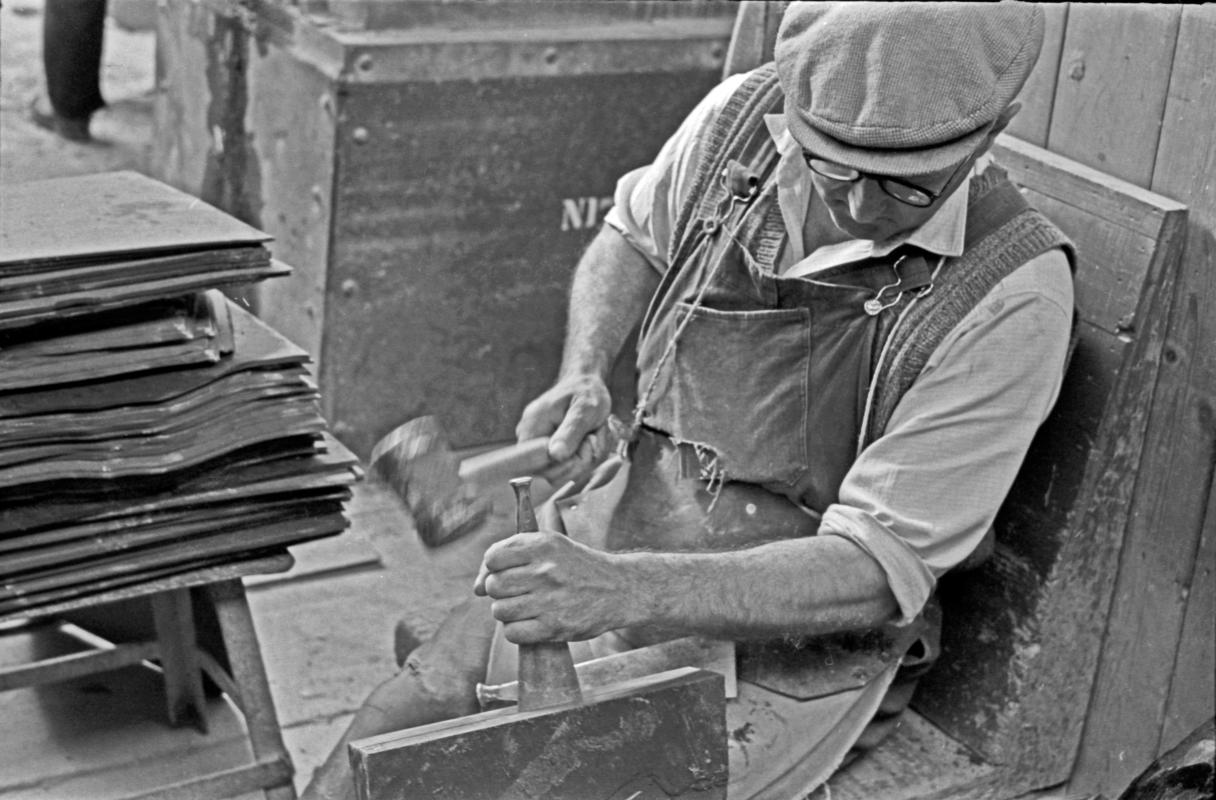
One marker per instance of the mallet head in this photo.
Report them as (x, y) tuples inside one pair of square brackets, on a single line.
[(417, 463)]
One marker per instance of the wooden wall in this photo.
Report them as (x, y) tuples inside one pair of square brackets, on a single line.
[(1131, 90)]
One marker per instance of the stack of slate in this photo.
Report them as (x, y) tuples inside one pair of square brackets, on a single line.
[(149, 426)]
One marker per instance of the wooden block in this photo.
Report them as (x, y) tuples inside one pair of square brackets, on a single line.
[(653, 738)]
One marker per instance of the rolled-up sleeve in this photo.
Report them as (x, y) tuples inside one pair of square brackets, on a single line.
[(921, 497), (647, 200)]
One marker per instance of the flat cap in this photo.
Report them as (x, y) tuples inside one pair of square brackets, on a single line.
[(902, 88)]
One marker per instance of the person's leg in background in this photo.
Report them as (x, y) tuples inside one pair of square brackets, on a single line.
[(72, 34)]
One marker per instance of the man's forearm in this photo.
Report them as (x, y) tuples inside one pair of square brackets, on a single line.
[(794, 587), (612, 285)]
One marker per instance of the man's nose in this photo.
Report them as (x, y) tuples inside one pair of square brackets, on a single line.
[(866, 200)]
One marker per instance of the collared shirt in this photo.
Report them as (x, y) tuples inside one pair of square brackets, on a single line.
[(920, 498)]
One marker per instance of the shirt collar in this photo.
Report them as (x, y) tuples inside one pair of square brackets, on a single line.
[(942, 234)]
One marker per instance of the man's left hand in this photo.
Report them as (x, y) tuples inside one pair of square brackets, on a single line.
[(548, 588)]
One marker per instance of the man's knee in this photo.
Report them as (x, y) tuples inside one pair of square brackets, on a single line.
[(438, 679)]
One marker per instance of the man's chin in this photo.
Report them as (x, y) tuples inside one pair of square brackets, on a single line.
[(869, 231)]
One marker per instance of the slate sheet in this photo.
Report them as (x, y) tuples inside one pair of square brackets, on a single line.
[(149, 426), (79, 245)]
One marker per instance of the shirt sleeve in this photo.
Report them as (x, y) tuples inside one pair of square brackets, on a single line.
[(921, 497), (647, 200)]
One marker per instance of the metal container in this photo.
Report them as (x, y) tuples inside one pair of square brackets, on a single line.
[(432, 171)]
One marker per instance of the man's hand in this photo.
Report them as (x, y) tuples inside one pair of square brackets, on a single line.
[(570, 413), (548, 588)]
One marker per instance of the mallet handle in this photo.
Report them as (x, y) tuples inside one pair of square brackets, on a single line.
[(546, 670), (522, 458)]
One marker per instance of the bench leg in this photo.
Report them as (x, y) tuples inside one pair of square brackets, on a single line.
[(173, 616), (249, 673)]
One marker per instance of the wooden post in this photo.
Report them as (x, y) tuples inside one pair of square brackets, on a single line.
[(249, 672), (173, 615)]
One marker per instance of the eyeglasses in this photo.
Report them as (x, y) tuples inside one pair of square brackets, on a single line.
[(902, 191)]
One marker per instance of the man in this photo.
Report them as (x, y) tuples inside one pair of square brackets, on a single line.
[(851, 327)]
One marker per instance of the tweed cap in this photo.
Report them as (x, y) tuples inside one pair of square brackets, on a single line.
[(902, 88)]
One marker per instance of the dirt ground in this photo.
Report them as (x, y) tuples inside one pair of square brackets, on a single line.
[(122, 130)]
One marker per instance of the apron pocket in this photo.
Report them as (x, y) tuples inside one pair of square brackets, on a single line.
[(736, 385)]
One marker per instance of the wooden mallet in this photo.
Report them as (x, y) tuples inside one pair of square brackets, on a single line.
[(651, 738)]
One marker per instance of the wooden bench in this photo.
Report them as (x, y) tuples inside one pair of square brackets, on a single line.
[(1003, 711)]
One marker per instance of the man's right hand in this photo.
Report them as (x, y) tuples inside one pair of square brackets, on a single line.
[(571, 414)]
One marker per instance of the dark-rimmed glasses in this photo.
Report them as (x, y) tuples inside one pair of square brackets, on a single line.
[(902, 191)]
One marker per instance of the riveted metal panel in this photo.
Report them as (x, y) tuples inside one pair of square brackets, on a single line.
[(461, 208), (431, 170)]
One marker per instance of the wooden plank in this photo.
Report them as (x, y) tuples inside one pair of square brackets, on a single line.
[(1185, 165), (1084, 186), (1123, 726), (1114, 223), (75, 665), (270, 774), (752, 39), (1111, 88), (1162, 616), (1028, 626), (1192, 690), (1077, 590), (604, 745), (1038, 95), (1110, 268)]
